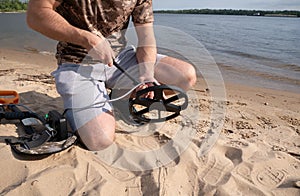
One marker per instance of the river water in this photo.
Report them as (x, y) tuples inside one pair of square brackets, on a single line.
[(257, 51)]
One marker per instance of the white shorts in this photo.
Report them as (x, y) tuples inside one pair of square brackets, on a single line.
[(83, 88)]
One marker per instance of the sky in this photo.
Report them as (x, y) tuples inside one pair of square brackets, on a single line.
[(227, 4)]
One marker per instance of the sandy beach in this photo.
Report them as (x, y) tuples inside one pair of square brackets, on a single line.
[(256, 153)]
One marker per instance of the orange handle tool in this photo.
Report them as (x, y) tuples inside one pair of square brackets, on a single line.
[(9, 97)]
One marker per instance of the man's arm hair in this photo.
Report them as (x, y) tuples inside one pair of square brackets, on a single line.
[(146, 50), (42, 17)]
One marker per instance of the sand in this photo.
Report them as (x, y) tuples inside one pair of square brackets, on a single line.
[(256, 153)]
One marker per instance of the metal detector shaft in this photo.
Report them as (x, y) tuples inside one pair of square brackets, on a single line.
[(125, 72)]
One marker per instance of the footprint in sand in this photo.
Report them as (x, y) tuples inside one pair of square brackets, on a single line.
[(219, 165), (244, 171), (270, 177), (277, 169), (215, 172)]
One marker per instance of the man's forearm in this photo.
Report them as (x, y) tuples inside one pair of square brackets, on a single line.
[(146, 54), (146, 50), (42, 18), (146, 57)]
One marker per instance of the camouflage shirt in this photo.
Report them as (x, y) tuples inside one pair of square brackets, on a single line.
[(107, 17)]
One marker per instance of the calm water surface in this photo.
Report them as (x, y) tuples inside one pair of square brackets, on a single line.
[(260, 51)]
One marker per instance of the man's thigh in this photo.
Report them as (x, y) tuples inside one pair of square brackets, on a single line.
[(84, 97)]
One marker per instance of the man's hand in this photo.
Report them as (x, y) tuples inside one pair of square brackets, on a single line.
[(42, 17), (102, 52), (150, 94)]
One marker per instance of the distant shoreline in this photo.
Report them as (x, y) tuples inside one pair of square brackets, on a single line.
[(13, 12), (266, 13), (277, 13), (265, 16)]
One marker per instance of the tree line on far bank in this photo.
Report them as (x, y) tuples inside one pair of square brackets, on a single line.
[(12, 5), (233, 12), (18, 5)]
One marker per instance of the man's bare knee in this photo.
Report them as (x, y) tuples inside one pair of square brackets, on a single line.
[(188, 78), (98, 133), (191, 76), (100, 143), (176, 72)]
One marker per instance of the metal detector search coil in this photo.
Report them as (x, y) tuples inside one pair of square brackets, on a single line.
[(166, 107)]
